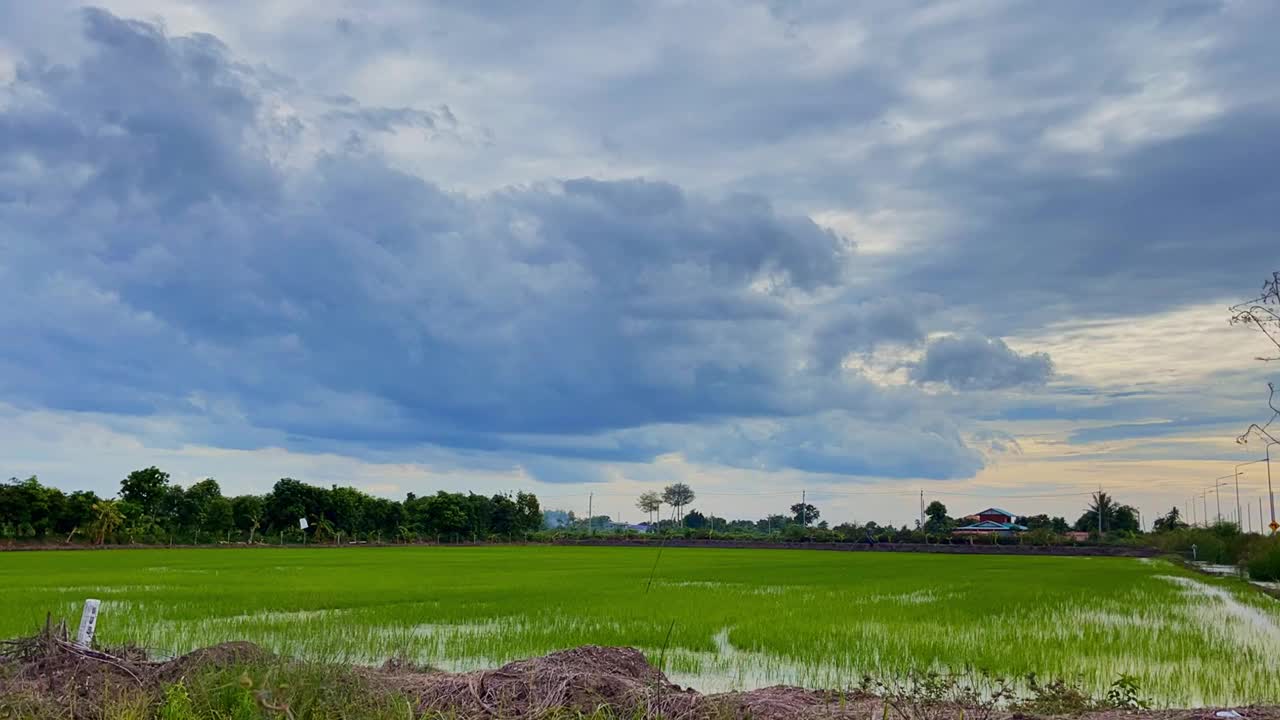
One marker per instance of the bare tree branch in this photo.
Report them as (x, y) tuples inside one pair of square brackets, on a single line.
[(1262, 312)]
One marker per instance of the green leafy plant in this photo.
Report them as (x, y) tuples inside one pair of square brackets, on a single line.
[(177, 704), (1124, 694)]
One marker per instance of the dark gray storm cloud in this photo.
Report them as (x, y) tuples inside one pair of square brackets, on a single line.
[(977, 363), (864, 326), (1177, 221), (158, 257), (587, 234)]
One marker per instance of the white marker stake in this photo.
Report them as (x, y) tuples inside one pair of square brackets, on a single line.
[(88, 623)]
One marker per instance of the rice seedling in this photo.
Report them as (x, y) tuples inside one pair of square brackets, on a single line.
[(720, 619)]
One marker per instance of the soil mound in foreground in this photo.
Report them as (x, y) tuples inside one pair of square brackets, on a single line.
[(69, 682)]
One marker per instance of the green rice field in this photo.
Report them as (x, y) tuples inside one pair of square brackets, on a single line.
[(734, 618)]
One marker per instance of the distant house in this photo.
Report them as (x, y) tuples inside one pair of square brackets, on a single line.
[(991, 520)]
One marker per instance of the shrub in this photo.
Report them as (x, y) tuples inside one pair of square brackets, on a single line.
[(1265, 564)]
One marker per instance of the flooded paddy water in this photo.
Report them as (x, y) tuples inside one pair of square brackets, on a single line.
[(715, 619)]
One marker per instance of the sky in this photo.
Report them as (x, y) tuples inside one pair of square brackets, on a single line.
[(979, 249)]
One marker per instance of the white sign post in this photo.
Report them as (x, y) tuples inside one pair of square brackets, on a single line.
[(88, 623)]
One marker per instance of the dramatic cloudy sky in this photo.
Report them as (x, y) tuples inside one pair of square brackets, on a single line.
[(979, 248)]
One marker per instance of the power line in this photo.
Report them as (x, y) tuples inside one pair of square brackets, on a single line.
[(1015, 497)]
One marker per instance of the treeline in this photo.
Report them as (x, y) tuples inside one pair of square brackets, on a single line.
[(151, 509)]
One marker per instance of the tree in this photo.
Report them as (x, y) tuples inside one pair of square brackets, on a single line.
[(440, 514), (804, 513), (32, 509), (937, 519), (528, 513), (210, 512), (345, 509), (678, 495), (1124, 519), (1115, 517), (220, 521), (78, 512), (502, 516), (1169, 522), (695, 520), (1100, 503), (246, 514), (383, 517), (290, 500), (649, 503), (107, 519), (174, 513), (145, 488), (138, 524), (1035, 522), (156, 509), (772, 523)]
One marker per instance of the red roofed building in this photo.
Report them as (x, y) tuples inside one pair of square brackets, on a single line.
[(991, 520)]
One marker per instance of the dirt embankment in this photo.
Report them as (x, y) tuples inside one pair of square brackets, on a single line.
[(65, 682)]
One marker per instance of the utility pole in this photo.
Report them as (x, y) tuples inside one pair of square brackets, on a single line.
[(804, 511), (1099, 511), (1239, 519), (590, 526), (922, 510)]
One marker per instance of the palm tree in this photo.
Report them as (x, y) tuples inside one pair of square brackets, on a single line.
[(1102, 506), (1171, 521), (107, 519)]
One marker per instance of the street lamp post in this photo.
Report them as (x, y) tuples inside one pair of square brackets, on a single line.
[(1270, 494), (1237, 475), (1217, 495), (1204, 495), (1271, 440)]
